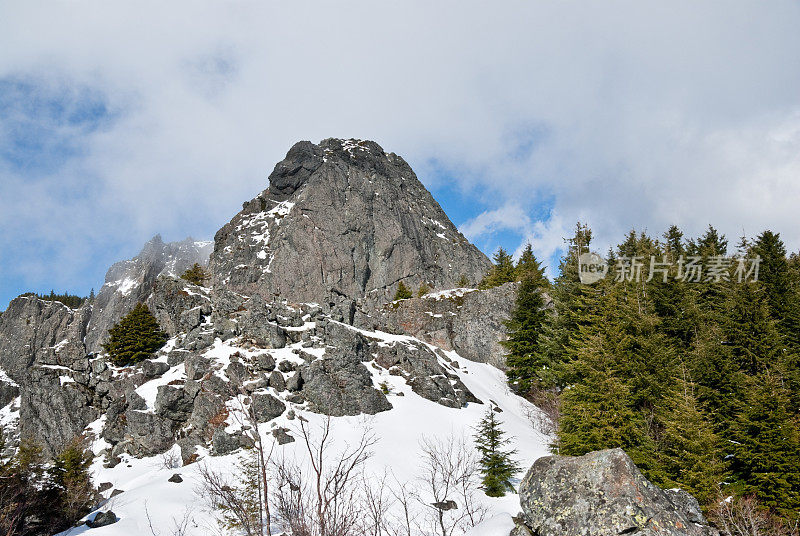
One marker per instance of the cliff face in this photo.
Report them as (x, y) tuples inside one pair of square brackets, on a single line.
[(41, 345), (469, 321), (342, 221), (129, 282)]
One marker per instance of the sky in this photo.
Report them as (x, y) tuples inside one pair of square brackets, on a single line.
[(121, 120)]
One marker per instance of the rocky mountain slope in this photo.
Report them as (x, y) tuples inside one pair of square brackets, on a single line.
[(297, 315)]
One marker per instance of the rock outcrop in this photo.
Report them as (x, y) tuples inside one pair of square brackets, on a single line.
[(129, 282), (41, 352), (342, 222), (469, 321), (603, 493)]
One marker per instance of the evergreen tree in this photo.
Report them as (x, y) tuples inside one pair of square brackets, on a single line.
[(497, 464), (526, 363), (195, 275), (711, 244), (529, 267), (690, 454), (673, 243), (768, 445), (423, 289), (403, 292), (571, 299), (463, 282), (135, 337), (502, 272), (595, 412)]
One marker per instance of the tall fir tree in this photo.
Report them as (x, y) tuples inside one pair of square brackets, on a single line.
[(767, 459), (137, 336), (502, 272), (526, 363), (497, 463), (689, 450)]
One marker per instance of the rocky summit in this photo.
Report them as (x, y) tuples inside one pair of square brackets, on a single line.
[(293, 320), (342, 224)]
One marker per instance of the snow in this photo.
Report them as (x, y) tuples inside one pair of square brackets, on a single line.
[(126, 286), (499, 525), (6, 379), (149, 390), (9, 414), (449, 293)]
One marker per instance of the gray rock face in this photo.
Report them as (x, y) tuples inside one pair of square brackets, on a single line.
[(129, 282), (42, 352), (178, 305), (341, 221), (601, 494), (469, 321), (8, 392)]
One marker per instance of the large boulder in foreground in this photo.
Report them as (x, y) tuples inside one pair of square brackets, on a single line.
[(603, 493)]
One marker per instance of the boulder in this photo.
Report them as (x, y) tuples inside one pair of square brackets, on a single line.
[(602, 493), (173, 403), (102, 519), (266, 407)]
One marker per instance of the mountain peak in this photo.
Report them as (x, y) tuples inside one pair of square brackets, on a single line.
[(342, 220)]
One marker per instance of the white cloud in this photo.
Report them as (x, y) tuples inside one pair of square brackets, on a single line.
[(623, 113)]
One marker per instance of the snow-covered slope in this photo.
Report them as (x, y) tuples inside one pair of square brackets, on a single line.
[(149, 498)]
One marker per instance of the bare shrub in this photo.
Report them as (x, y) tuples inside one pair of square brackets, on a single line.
[(323, 496), (545, 416), (180, 526), (170, 459), (450, 484), (377, 502), (403, 519), (743, 516), (227, 496)]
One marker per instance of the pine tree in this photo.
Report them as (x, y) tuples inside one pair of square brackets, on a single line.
[(673, 243), (571, 299), (403, 292), (529, 267), (595, 413), (502, 272), (526, 363), (195, 275), (463, 282), (423, 289), (497, 464), (768, 445), (690, 452), (135, 337)]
